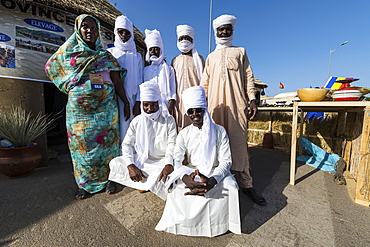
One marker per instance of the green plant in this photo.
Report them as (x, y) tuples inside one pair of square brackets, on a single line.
[(20, 128)]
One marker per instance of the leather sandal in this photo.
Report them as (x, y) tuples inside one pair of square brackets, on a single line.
[(81, 194), (111, 188)]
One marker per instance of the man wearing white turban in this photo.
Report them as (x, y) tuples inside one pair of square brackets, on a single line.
[(229, 83), (188, 68), (158, 70), (204, 200), (147, 150), (124, 51)]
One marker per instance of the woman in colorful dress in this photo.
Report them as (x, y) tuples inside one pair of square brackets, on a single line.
[(91, 77)]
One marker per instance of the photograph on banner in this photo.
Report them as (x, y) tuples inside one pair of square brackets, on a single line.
[(7, 56)]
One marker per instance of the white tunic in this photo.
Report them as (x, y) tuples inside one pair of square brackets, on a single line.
[(218, 211), (163, 136), (166, 82)]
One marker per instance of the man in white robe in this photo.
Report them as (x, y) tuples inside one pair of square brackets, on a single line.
[(125, 51), (229, 83), (147, 150), (188, 68), (204, 201), (158, 70)]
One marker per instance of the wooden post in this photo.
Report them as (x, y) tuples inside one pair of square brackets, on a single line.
[(294, 143), (338, 149), (363, 183), (350, 122)]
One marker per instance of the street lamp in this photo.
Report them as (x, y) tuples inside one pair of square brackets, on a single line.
[(330, 55)]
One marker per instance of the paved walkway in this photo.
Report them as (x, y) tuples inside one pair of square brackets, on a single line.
[(40, 210)]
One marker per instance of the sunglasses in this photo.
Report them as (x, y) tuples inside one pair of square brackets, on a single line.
[(123, 32), (196, 110)]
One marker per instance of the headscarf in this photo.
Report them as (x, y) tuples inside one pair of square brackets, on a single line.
[(127, 56), (149, 91), (223, 20), (195, 97), (185, 46), (75, 59), (153, 39)]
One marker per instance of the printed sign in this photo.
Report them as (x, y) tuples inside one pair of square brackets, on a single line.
[(30, 33)]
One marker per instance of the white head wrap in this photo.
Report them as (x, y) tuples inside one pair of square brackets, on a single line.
[(153, 39), (128, 58), (195, 97), (158, 67), (223, 20), (185, 46), (149, 91)]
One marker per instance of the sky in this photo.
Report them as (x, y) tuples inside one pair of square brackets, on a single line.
[(287, 41)]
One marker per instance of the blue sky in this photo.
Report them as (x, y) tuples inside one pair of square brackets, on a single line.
[(287, 41)]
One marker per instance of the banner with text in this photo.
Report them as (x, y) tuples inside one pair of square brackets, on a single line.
[(30, 33)]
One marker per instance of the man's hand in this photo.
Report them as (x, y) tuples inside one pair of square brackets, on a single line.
[(208, 184), (252, 109), (190, 183), (135, 173), (126, 112), (136, 110), (167, 169), (171, 105)]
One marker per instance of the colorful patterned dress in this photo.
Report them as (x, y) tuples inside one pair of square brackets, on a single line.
[(92, 115)]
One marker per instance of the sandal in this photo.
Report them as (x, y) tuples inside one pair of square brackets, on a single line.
[(111, 188), (251, 192), (81, 194)]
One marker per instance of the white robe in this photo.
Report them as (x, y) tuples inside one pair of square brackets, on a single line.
[(218, 211), (163, 136), (138, 62), (156, 72)]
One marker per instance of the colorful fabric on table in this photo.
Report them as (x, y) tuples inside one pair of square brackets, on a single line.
[(92, 115)]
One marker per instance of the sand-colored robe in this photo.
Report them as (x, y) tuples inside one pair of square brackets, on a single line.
[(186, 76), (229, 84)]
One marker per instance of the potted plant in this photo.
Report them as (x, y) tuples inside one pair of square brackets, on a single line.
[(20, 128)]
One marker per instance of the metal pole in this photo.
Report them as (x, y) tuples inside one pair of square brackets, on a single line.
[(210, 27), (329, 64), (345, 42)]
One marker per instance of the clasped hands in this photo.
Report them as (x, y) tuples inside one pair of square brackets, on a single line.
[(198, 188)]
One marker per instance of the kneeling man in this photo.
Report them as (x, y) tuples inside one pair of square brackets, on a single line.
[(147, 149), (204, 200)]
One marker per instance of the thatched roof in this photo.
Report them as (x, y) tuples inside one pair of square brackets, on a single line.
[(102, 9), (259, 83)]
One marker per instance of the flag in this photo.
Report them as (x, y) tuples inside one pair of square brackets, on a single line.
[(281, 86)]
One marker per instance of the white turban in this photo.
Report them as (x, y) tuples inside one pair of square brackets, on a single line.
[(182, 30), (153, 39), (149, 91), (185, 46), (223, 20), (123, 22), (195, 97)]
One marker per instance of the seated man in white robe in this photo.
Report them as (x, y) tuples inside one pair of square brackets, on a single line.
[(147, 149), (204, 200)]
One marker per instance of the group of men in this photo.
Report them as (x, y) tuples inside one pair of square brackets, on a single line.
[(191, 135)]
